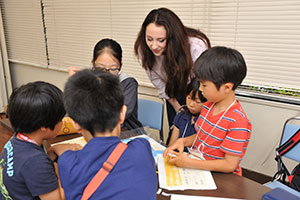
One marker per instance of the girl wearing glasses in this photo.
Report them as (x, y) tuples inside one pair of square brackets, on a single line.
[(107, 56)]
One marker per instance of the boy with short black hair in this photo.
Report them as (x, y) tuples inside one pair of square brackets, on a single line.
[(223, 130), (35, 111), (94, 101)]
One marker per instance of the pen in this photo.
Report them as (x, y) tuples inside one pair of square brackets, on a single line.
[(172, 155)]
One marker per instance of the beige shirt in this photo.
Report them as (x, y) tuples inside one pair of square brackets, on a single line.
[(158, 75)]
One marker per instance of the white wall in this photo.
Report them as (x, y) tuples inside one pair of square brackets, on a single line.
[(267, 120), (267, 117), (3, 93), (21, 74)]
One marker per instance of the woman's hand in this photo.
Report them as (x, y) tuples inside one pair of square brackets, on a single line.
[(72, 70), (174, 104)]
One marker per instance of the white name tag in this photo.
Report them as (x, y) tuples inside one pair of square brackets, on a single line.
[(196, 154)]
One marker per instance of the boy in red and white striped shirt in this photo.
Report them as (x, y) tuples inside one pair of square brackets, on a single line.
[(223, 129)]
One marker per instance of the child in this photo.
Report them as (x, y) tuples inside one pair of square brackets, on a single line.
[(35, 111), (95, 104), (223, 130), (185, 119), (108, 57)]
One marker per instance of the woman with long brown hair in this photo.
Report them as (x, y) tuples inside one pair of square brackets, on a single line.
[(167, 50)]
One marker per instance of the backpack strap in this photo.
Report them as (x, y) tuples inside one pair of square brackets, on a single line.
[(289, 144), (282, 171), (106, 168)]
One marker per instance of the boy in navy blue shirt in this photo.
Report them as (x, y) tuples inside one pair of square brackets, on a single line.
[(94, 101), (35, 111), (185, 119)]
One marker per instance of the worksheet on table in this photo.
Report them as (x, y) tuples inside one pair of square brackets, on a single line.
[(176, 178), (189, 197)]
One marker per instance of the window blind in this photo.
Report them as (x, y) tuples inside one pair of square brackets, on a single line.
[(74, 27), (266, 32), (24, 31)]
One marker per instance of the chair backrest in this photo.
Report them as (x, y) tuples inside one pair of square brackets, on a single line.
[(290, 127), (150, 113)]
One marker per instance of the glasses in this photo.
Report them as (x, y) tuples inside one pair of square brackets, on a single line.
[(114, 70)]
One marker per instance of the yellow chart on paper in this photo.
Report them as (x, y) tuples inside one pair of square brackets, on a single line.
[(172, 174), (175, 178)]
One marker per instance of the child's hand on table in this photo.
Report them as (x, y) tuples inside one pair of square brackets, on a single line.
[(179, 159), (175, 155), (177, 147), (57, 150)]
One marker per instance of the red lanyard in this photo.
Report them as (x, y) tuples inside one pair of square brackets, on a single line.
[(25, 138)]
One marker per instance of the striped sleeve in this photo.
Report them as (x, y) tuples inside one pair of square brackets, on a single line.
[(238, 135)]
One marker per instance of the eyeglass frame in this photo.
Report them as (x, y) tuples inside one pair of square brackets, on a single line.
[(111, 70)]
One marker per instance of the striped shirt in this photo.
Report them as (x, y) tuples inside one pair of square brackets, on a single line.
[(230, 136)]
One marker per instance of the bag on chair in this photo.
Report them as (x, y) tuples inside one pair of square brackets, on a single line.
[(282, 173), (295, 180)]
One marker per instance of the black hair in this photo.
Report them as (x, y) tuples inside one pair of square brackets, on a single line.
[(221, 65), (108, 44), (35, 105), (193, 87), (94, 100)]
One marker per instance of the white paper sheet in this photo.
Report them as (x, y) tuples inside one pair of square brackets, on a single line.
[(78, 140), (157, 148), (175, 178), (189, 197)]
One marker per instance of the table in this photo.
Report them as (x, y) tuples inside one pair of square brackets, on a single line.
[(228, 185)]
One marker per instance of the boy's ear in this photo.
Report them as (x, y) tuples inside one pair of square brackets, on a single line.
[(76, 125), (123, 114), (43, 129), (228, 86)]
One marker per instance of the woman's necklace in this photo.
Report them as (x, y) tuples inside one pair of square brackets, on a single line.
[(197, 151)]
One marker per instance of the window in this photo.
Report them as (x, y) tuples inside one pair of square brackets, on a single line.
[(24, 33), (267, 33), (60, 33)]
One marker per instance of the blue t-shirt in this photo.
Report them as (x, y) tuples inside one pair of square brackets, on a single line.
[(26, 171), (133, 177), (183, 122)]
